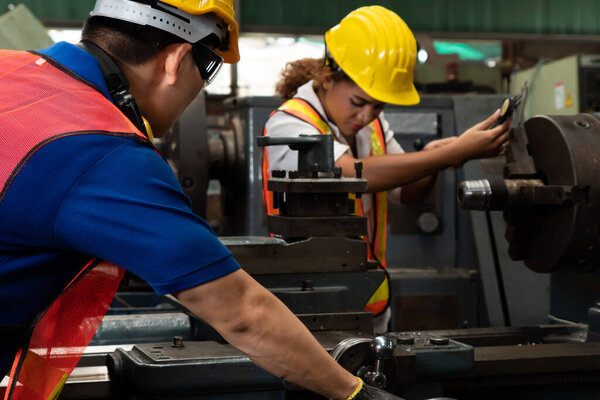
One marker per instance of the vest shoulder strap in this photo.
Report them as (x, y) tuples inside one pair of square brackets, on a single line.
[(303, 110), (64, 106), (378, 144)]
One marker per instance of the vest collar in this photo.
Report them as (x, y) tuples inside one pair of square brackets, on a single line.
[(80, 62)]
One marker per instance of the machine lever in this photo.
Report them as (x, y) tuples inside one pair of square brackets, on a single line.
[(383, 347), (312, 149)]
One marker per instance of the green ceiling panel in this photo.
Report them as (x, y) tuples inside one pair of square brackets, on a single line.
[(70, 12), (507, 16), (315, 16)]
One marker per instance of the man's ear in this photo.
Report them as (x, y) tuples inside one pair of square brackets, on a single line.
[(173, 62)]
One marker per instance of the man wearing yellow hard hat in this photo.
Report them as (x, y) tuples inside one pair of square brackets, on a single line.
[(369, 61), (84, 195)]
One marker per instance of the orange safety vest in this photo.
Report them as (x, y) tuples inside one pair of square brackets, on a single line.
[(40, 102), (304, 111)]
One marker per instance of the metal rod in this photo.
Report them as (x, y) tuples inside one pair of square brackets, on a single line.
[(503, 301)]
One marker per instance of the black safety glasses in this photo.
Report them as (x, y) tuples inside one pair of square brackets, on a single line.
[(209, 62)]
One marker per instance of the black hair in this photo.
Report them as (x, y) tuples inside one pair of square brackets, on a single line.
[(128, 42)]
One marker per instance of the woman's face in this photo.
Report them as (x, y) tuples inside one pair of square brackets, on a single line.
[(348, 106)]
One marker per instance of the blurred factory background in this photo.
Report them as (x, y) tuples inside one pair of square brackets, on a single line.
[(458, 274)]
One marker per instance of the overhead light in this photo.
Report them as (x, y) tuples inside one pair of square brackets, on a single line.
[(422, 56)]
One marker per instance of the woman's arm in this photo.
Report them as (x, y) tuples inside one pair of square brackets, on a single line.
[(392, 170)]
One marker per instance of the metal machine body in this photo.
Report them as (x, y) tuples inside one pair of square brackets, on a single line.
[(559, 361), (428, 268), (550, 202), (567, 86), (321, 274)]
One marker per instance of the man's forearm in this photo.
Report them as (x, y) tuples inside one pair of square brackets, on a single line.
[(255, 321)]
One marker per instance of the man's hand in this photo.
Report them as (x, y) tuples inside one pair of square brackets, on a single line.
[(372, 393)]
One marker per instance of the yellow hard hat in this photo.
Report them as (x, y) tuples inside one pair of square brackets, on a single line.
[(189, 19), (378, 51)]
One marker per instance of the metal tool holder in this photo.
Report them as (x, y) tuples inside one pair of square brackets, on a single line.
[(314, 200)]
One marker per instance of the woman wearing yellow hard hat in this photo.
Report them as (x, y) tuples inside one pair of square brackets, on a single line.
[(369, 61)]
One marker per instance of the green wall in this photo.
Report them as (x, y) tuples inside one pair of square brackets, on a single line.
[(314, 16), (504, 16), (71, 12)]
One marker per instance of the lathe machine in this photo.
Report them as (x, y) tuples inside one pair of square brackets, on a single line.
[(546, 191)]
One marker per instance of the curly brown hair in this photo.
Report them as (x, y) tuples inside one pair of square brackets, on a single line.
[(297, 73)]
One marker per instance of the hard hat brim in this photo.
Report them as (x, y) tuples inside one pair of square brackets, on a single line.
[(405, 98)]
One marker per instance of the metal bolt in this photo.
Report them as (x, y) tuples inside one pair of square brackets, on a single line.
[(315, 170), (377, 379), (337, 172), (583, 124), (187, 182), (177, 342), (358, 167)]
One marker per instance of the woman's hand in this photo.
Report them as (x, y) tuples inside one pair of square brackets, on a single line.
[(482, 142)]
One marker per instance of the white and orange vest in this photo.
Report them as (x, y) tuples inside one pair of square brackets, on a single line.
[(304, 111)]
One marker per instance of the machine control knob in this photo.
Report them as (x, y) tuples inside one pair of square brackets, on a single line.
[(405, 338), (383, 347), (439, 341), (428, 222)]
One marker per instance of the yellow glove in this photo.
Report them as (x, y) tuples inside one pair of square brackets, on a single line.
[(366, 392)]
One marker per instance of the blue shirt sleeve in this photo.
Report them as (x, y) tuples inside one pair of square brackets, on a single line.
[(128, 208)]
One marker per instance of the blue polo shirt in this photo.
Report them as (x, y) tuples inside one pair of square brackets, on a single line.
[(98, 196)]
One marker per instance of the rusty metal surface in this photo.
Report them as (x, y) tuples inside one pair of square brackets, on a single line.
[(535, 359), (349, 322), (266, 255), (514, 336), (291, 227), (319, 185), (519, 164), (301, 205)]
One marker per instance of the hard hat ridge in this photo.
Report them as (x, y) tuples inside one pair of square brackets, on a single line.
[(191, 20)]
